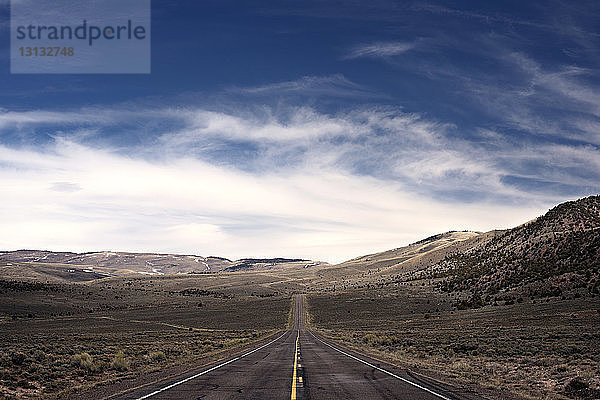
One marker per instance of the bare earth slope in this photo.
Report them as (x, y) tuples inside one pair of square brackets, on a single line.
[(398, 256)]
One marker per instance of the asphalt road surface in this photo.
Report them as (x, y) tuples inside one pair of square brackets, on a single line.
[(297, 365)]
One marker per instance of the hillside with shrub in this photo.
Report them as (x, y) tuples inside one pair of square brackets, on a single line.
[(555, 253)]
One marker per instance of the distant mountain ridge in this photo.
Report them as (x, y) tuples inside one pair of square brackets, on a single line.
[(119, 263), (94, 265), (554, 253)]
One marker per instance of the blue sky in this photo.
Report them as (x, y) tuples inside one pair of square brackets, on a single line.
[(309, 129)]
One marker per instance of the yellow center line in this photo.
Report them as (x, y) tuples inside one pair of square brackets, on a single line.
[(295, 374)]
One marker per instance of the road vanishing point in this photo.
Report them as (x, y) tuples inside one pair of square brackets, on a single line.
[(298, 364)]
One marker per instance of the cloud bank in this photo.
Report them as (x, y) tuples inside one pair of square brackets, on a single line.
[(273, 182)]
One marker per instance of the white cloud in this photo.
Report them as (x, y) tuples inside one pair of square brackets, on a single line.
[(332, 85), (560, 103), (380, 50), (302, 123), (565, 84), (364, 180), (65, 187), (191, 207), (13, 118)]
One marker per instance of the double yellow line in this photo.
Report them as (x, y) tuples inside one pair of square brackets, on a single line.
[(295, 373)]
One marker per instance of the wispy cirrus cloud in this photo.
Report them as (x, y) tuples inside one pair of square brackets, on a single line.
[(489, 118), (382, 142), (332, 86), (287, 180), (552, 102), (482, 17), (561, 103), (265, 126), (379, 50), (190, 206)]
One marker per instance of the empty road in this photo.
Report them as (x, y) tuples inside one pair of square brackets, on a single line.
[(296, 365)]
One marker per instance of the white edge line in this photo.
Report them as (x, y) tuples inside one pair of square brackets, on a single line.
[(382, 370), (208, 370)]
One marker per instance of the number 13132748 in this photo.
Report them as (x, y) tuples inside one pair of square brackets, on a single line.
[(55, 51)]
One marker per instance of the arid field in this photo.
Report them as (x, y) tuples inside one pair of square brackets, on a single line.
[(58, 337), (511, 314)]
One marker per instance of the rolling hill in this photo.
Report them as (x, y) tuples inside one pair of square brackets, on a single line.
[(554, 253), (557, 251), (44, 265)]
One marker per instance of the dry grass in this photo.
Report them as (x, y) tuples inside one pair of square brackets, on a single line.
[(61, 336), (535, 350)]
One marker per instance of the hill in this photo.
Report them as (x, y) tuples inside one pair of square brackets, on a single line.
[(44, 265), (559, 251), (87, 266), (556, 252), (516, 309), (553, 254)]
